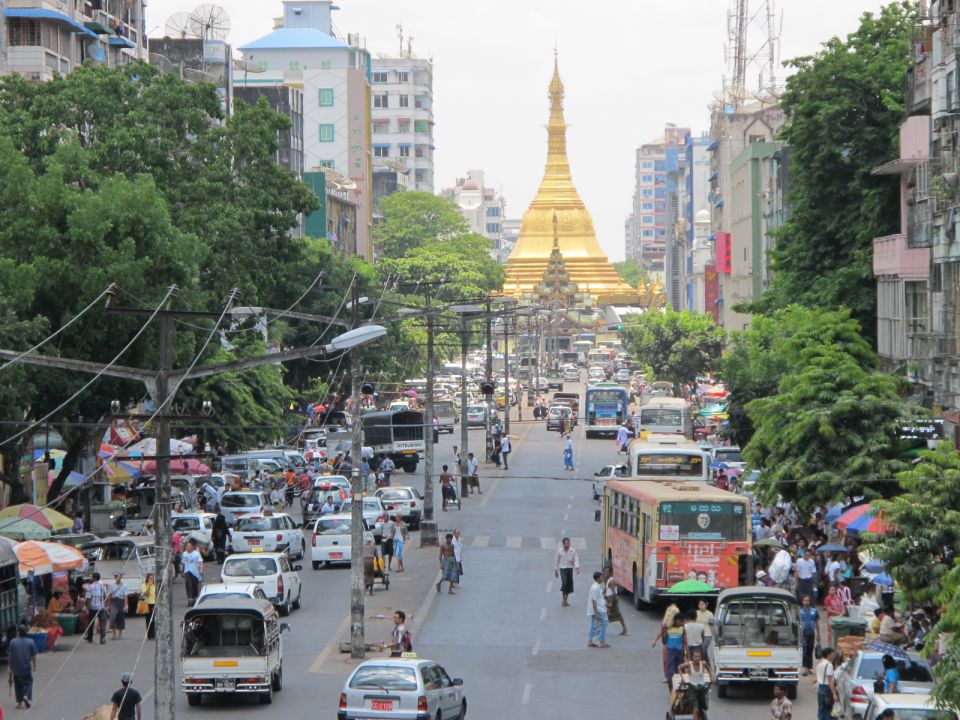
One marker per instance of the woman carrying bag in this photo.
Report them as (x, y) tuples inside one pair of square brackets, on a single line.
[(147, 602)]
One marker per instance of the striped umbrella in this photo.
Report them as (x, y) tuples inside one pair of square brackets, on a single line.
[(862, 519), (21, 529), (47, 557), (43, 516)]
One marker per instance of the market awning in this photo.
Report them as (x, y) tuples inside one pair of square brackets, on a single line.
[(713, 146), (42, 14), (120, 41)]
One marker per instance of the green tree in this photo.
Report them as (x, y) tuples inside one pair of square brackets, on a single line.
[(830, 430), (632, 272), (844, 106), (679, 346), (413, 219)]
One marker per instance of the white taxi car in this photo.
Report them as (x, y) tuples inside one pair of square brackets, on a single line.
[(331, 539), (230, 591), (272, 571), (405, 501), (241, 503), (404, 687), (269, 533)]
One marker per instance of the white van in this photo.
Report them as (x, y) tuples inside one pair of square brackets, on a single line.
[(445, 411), (756, 638), (232, 646)]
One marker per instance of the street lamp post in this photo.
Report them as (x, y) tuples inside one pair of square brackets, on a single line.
[(463, 311)]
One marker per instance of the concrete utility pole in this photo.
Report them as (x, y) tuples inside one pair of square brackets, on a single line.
[(506, 374), (428, 527), (489, 375), (464, 439), (358, 647)]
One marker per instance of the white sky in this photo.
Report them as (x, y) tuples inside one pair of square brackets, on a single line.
[(628, 66)]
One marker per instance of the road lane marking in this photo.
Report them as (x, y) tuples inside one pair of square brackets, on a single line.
[(481, 540), (317, 665), (546, 543), (526, 693), (566, 517), (550, 586), (536, 648), (569, 505), (514, 541), (579, 543), (543, 616), (571, 497)]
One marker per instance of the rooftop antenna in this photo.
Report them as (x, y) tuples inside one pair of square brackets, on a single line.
[(400, 33), (177, 25), (209, 22)]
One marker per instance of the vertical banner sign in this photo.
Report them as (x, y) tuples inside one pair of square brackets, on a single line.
[(41, 479), (711, 291)]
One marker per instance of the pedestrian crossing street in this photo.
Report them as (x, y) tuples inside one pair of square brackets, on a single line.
[(523, 542)]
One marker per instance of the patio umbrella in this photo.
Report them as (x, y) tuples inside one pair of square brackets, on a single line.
[(120, 473), (888, 649), (20, 529), (187, 466), (56, 457), (46, 517), (689, 587), (860, 519), (883, 579), (833, 548), (46, 557), (768, 542), (874, 565)]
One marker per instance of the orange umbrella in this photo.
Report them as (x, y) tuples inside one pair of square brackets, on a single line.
[(46, 557)]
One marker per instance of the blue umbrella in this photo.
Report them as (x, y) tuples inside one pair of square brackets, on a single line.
[(874, 565), (833, 513), (883, 579), (888, 649), (833, 548)]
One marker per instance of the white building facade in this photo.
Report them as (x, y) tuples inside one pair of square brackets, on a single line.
[(483, 207)]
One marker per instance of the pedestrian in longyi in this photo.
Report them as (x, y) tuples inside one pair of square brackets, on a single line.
[(597, 612), (21, 664), (613, 602), (448, 564), (566, 562)]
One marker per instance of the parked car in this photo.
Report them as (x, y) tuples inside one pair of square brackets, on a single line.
[(608, 472), (273, 533), (404, 501), (196, 526), (323, 488), (235, 505), (908, 706), (331, 539), (374, 514), (402, 688), (230, 591), (557, 416), (272, 571), (855, 683), (477, 415)]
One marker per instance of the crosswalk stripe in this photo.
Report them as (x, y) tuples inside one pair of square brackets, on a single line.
[(546, 543), (514, 541), (578, 543), (481, 541)]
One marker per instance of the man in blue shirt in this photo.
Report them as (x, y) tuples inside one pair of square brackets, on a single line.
[(810, 625), (22, 664)]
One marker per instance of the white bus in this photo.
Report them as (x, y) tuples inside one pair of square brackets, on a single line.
[(667, 457), (666, 415)]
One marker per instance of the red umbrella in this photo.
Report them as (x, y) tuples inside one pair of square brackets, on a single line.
[(184, 466), (862, 518)]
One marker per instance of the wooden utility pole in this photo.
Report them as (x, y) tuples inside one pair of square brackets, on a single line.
[(358, 646), (428, 527)]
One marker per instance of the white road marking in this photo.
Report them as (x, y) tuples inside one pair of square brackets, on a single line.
[(514, 541), (550, 586), (536, 648), (569, 505), (481, 541), (526, 693), (566, 517), (571, 497), (546, 543), (579, 543), (543, 616)]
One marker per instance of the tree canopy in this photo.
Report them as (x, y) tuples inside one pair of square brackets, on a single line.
[(632, 272), (679, 346), (844, 106), (414, 219)]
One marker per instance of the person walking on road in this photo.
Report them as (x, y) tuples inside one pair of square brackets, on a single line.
[(597, 612), (705, 616), (826, 686), (96, 597), (810, 625), (148, 593), (21, 665), (386, 542), (399, 538), (192, 572), (613, 602), (118, 605), (458, 553), (568, 453), (693, 631), (623, 438), (387, 467), (505, 449), (448, 564), (675, 641), (219, 536), (781, 708), (446, 486), (473, 474), (400, 639), (567, 561), (126, 701)]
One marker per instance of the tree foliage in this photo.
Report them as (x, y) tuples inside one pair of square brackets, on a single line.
[(829, 432), (844, 106), (414, 219), (632, 272), (679, 346)]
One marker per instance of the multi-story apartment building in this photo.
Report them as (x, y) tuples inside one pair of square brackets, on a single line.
[(334, 79), (47, 37), (402, 115), (482, 206), (697, 249), (746, 174), (197, 60), (287, 101)]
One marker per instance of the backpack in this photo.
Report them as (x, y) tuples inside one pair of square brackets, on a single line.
[(407, 641)]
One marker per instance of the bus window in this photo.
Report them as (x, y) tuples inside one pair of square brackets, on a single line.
[(660, 416), (703, 521), (674, 465)]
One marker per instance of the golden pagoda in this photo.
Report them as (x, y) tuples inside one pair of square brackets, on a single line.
[(557, 201)]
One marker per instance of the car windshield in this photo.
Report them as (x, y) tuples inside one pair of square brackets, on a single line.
[(333, 526), (728, 456), (185, 523), (232, 595), (392, 678), (229, 500), (243, 567), (910, 671), (395, 494), (475, 409), (253, 524)]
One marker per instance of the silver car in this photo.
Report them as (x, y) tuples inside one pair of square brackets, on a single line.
[(374, 514), (410, 688), (855, 683)]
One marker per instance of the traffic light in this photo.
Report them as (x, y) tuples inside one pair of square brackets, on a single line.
[(619, 328), (367, 389), (486, 388)]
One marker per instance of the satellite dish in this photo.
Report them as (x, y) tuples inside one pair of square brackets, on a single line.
[(209, 22), (96, 53), (177, 26), (246, 67)]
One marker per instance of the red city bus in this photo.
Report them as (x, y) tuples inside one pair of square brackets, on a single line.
[(656, 534)]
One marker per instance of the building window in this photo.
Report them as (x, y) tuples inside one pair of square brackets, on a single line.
[(493, 228), (326, 164), (381, 151), (379, 77), (421, 102), (646, 192), (419, 151), (646, 165), (294, 65), (404, 101), (659, 166), (646, 178), (326, 65), (646, 206), (647, 233), (493, 212), (403, 76), (404, 151), (381, 101), (380, 128), (23, 31), (326, 132), (326, 97), (403, 126), (421, 126), (646, 220)]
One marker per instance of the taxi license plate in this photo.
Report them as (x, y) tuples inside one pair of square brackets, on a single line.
[(381, 705), (223, 684), (253, 540), (336, 556)]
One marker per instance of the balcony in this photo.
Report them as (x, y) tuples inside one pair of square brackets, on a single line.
[(919, 87), (893, 257)]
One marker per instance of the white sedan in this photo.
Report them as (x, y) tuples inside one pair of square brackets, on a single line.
[(331, 539), (279, 580), (230, 591), (268, 533)]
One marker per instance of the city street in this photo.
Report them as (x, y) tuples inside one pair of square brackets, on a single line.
[(520, 654)]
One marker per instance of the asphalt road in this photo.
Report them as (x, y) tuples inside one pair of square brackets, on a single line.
[(520, 654)]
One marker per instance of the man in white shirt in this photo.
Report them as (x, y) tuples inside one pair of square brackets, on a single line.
[(567, 561), (473, 475), (597, 612), (779, 569), (806, 576), (694, 630), (458, 552), (192, 563), (505, 449), (833, 569)]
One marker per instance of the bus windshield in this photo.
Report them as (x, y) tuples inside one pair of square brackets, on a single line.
[(672, 464), (660, 416), (703, 521)]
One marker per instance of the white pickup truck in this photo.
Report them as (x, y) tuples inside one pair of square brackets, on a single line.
[(756, 638), (232, 646)]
